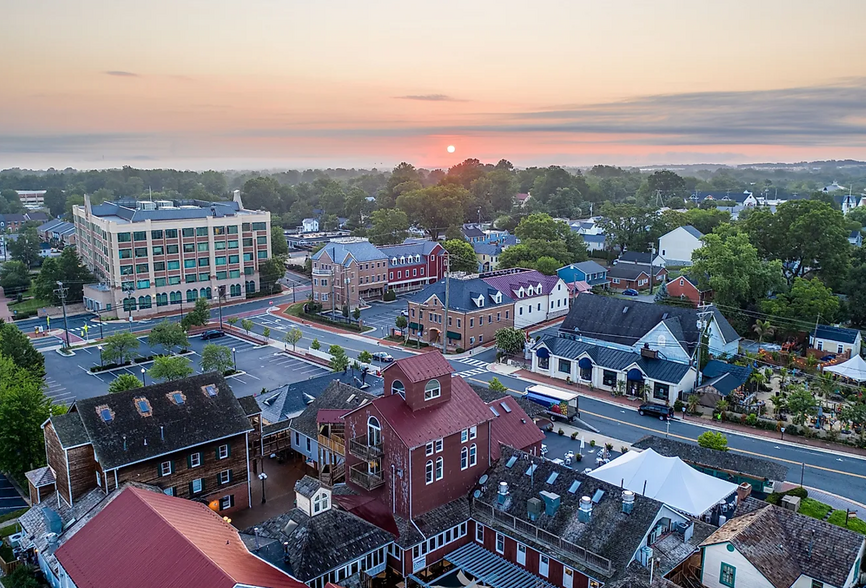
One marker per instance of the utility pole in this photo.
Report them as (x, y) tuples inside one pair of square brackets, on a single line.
[(445, 337), (61, 291), (221, 292)]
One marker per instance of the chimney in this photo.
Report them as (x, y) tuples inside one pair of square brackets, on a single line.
[(584, 511), (503, 492), (627, 501), (744, 490)]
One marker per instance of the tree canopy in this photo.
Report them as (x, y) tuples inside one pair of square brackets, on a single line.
[(461, 256)]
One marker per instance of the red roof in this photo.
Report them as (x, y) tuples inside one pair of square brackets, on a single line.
[(423, 367), (143, 539), (514, 428), (464, 410)]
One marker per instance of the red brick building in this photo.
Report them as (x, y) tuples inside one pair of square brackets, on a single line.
[(414, 264), (686, 288)]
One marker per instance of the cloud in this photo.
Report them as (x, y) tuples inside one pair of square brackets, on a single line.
[(69, 143), (430, 98), (121, 74)]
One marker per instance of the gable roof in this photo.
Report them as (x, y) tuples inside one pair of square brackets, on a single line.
[(729, 333), (336, 396), (711, 458), (509, 283), (187, 546), (587, 267), (784, 545), (631, 271), (411, 247), (70, 430), (532, 409), (422, 367), (839, 334), (486, 249), (511, 427), (343, 251), (691, 231), (461, 294), (725, 377), (416, 428), (130, 437), (292, 399), (470, 230), (636, 257)]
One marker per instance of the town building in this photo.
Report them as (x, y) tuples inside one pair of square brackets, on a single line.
[(57, 232), (476, 310), (188, 437), (142, 539), (473, 233), (150, 256), (836, 340), (12, 223), (686, 288), (487, 255), (536, 297), (856, 238), (310, 225), (635, 276), (414, 264), (32, 197), (723, 381), (676, 247), (583, 276), (637, 257), (349, 271)]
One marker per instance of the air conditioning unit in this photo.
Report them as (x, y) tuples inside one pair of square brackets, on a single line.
[(644, 555)]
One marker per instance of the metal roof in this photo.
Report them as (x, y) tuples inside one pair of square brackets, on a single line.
[(836, 334), (491, 569)]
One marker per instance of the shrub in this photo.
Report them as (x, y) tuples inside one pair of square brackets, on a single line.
[(578, 456), (560, 432), (623, 449), (752, 419), (678, 405), (459, 350), (315, 345), (592, 442), (713, 440), (608, 446), (799, 492), (574, 435), (389, 296)]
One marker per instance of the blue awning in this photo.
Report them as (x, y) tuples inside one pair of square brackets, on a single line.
[(542, 353), (634, 375), (490, 569), (585, 363)]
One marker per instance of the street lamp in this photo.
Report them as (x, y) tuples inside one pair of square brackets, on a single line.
[(102, 365), (263, 476), (235, 355), (144, 376)]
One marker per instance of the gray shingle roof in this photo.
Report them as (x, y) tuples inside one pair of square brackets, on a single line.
[(335, 396), (461, 294), (636, 257), (631, 271), (587, 267), (416, 247), (307, 486), (432, 522), (729, 334), (657, 369), (693, 231), (725, 377), (784, 545), (70, 430), (342, 252), (724, 460), (130, 437), (249, 405), (840, 334), (471, 231)]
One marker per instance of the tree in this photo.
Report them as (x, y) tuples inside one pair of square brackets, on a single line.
[(199, 316), (169, 335), (763, 329), (510, 340), (247, 325), (435, 208), (14, 278), (67, 269), (801, 403), (292, 337), (390, 227), (216, 358), (365, 357), (169, 369), (261, 194), (496, 386), (627, 225), (119, 347), (339, 360), (17, 346), (713, 440), (667, 183), (271, 270), (356, 314), (124, 382), (266, 333), (10, 203), (807, 300), (23, 409), (55, 201), (401, 322), (805, 235), (232, 320), (22, 577), (729, 264), (279, 245), (26, 247), (461, 256), (547, 265), (315, 345)]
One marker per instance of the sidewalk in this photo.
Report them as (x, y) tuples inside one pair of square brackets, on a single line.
[(5, 313), (700, 420)]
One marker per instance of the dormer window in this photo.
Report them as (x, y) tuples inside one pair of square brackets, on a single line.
[(321, 503), (402, 259), (105, 413), (393, 261), (142, 405), (397, 387), (432, 390), (177, 398), (417, 259)]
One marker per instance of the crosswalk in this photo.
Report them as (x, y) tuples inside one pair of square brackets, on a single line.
[(480, 367)]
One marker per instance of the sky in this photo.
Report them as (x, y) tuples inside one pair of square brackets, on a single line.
[(256, 84)]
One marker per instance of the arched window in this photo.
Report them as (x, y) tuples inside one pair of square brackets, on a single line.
[(432, 390), (162, 299), (439, 468), (144, 301), (129, 304), (374, 432), (464, 458), (473, 455), (428, 476), (176, 297), (191, 295), (417, 258), (397, 387)]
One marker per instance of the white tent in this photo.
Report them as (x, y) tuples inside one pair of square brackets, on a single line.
[(853, 369), (667, 479)]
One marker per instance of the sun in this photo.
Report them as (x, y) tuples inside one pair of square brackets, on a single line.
[(451, 149)]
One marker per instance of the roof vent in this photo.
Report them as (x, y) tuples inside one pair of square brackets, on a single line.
[(627, 501), (503, 492), (551, 502), (533, 508), (584, 511)]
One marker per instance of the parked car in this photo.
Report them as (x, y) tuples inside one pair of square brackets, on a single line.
[(663, 412), (212, 334), (405, 313), (630, 292), (383, 357)]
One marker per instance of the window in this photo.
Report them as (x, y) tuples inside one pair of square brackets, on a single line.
[(188, 232), (124, 253), (203, 261), (171, 249), (262, 240), (438, 445), (220, 260), (838, 349), (201, 231), (727, 575), (439, 468), (464, 458), (223, 452), (126, 270), (500, 543), (142, 284), (171, 233), (188, 263), (156, 235), (544, 566), (227, 502), (173, 281), (397, 387), (259, 226), (219, 245), (225, 476), (123, 237), (432, 390), (140, 236), (248, 242), (233, 244), (165, 468), (473, 432), (464, 435), (189, 278), (196, 486), (169, 491), (430, 448), (320, 503), (374, 432), (202, 246), (194, 458), (661, 391), (608, 378), (564, 366), (521, 554), (232, 229), (817, 584), (158, 250), (234, 259), (428, 477), (473, 455), (471, 323)]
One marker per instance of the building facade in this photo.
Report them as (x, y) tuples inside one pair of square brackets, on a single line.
[(536, 297), (347, 271), (676, 247), (414, 264), (151, 256)]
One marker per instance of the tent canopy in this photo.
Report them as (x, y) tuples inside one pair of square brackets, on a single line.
[(853, 369), (668, 479)]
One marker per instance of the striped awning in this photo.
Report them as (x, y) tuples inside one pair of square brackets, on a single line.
[(491, 569)]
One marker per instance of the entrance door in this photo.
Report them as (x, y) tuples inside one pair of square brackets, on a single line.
[(568, 577)]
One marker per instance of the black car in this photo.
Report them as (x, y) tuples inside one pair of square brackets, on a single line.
[(212, 334), (659, 410)]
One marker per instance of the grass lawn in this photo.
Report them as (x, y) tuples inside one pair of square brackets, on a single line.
[(838, 518), (297, 310), (9, 530), (29, 305), (813, 508)]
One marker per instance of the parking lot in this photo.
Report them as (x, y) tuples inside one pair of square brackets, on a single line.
[(381, 316)]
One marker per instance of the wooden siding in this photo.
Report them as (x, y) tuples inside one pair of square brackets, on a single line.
[(56, 457)]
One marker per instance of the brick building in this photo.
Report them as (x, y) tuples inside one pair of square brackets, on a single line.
[(414, 264), (686, 288), (347, 270)]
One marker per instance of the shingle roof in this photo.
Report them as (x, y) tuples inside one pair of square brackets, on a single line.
[(290, 400), (610, 533), (729, 334), (422, 367), (249, 405), (532, 409), (711, 458), (725, 377), (511, 427), (486, 249), (335, 396), (187, 546), (784, 545), (342, 251), (471, 231), (692, 231), (70, 430), (432, 522), (663, 370), (510, 283), (307, 486), (840, 334), (629, 271), (461, 294), (39, 477), (636, 257), (416, 428), (410, 247), (318, 544), (130, 437), (587, 267)]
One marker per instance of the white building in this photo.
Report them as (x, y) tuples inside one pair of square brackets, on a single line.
[(676, 247), (310, 225), (836, 340), (537, 297)]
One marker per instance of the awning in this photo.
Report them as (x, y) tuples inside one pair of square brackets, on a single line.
[(585, 363), (453, 335), (634, 375), (413, 326), (489, 569), (542, 353)]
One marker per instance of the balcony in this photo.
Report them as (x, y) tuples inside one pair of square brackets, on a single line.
[(322, 272), (335, 443), (358, 475), (360, 449)]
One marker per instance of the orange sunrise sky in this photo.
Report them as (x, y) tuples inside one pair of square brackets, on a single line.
[(224, 84)]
